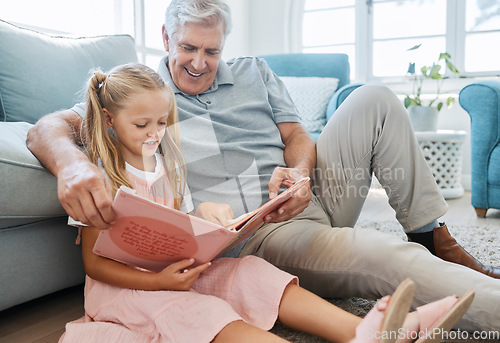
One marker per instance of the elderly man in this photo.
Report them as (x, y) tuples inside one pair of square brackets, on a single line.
[(242, 140)]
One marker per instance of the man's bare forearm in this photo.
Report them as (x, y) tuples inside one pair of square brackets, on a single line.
[(81, 187), (300, 152), (54, 140)]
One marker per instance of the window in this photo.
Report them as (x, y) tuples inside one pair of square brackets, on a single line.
[(95, 17), (329, 26), (376, 34), (482, 36), (148, 39)]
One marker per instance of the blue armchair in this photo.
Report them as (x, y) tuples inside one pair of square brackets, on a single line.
[(316, 65), (482, 101)]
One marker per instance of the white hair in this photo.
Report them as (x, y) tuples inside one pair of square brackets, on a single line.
[(207, 12)]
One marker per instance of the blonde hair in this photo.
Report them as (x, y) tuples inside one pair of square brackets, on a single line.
[(111, 91)]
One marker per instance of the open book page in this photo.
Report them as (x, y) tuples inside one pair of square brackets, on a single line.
[(238, 223), (151, 236), (247, 224)]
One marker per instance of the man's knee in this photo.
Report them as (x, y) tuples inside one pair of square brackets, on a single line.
[(374, 92)]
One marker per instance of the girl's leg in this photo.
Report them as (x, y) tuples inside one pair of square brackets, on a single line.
[(241, 332), (305, 311)]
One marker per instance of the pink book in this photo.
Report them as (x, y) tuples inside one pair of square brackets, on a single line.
[(151, 236)]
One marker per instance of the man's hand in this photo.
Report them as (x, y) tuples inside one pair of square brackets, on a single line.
[(297, 203), (85, 194), (81, 187), (216, 213)]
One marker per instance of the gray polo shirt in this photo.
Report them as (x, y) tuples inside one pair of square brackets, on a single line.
[(229, 136)]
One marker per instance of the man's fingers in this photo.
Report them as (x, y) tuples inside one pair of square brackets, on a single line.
[(278, 216), (286, 177), (103, 201), (288, 209), (293, 206), (71, 204), (84, 210), (75, 213), (86, 196), (92, 213), (277, 177)]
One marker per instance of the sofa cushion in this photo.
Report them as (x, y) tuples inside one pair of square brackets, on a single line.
[(38, 259), (311, 96), (40, 74), (29, 191)]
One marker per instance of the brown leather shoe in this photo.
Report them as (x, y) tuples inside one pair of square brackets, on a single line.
[(447, 248), (440, 243)]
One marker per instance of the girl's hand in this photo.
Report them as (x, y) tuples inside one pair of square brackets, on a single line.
[(221, 214), (177, 276)]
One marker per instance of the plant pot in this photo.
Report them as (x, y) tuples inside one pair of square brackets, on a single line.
[(423, 118)]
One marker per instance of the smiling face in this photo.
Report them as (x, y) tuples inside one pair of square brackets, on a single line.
[(194, 52), (140, 125)]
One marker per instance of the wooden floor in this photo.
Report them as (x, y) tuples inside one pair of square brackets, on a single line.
[(43, 320)]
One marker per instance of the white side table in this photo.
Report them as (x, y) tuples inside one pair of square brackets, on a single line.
[(442, 150)]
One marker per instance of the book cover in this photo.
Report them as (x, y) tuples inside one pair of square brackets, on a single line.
[(151, 236)]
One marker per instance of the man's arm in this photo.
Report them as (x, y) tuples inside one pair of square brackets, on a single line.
[(82, 188), (300, 158), (300, 149)]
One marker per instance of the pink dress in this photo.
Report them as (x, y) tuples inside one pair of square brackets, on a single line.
[(231, 289)]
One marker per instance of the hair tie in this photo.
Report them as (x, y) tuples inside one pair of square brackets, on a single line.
[(101, 79), (99, 85)]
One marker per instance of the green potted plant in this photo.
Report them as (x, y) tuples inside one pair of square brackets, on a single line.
[(424, 117)]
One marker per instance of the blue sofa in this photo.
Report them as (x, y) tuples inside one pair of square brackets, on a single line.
[(482, 101), (40, 74), (320, 66)]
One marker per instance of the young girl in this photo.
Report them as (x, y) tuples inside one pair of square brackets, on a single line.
[(132, 134)]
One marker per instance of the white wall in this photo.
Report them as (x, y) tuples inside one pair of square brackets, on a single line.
[(262, 27), (258, 28), (237, 41), (268, 32)]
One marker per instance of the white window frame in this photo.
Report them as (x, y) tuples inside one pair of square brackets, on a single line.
[(140, 35), (455, 42)]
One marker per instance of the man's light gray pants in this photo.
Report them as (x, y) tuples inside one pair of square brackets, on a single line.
[(371, 133)]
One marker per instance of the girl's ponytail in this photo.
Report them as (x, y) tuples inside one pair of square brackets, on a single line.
[(101, 145)]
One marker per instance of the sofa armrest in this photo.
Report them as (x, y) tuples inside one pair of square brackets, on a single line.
[(481, 100), (338, 97), (29, 191)]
